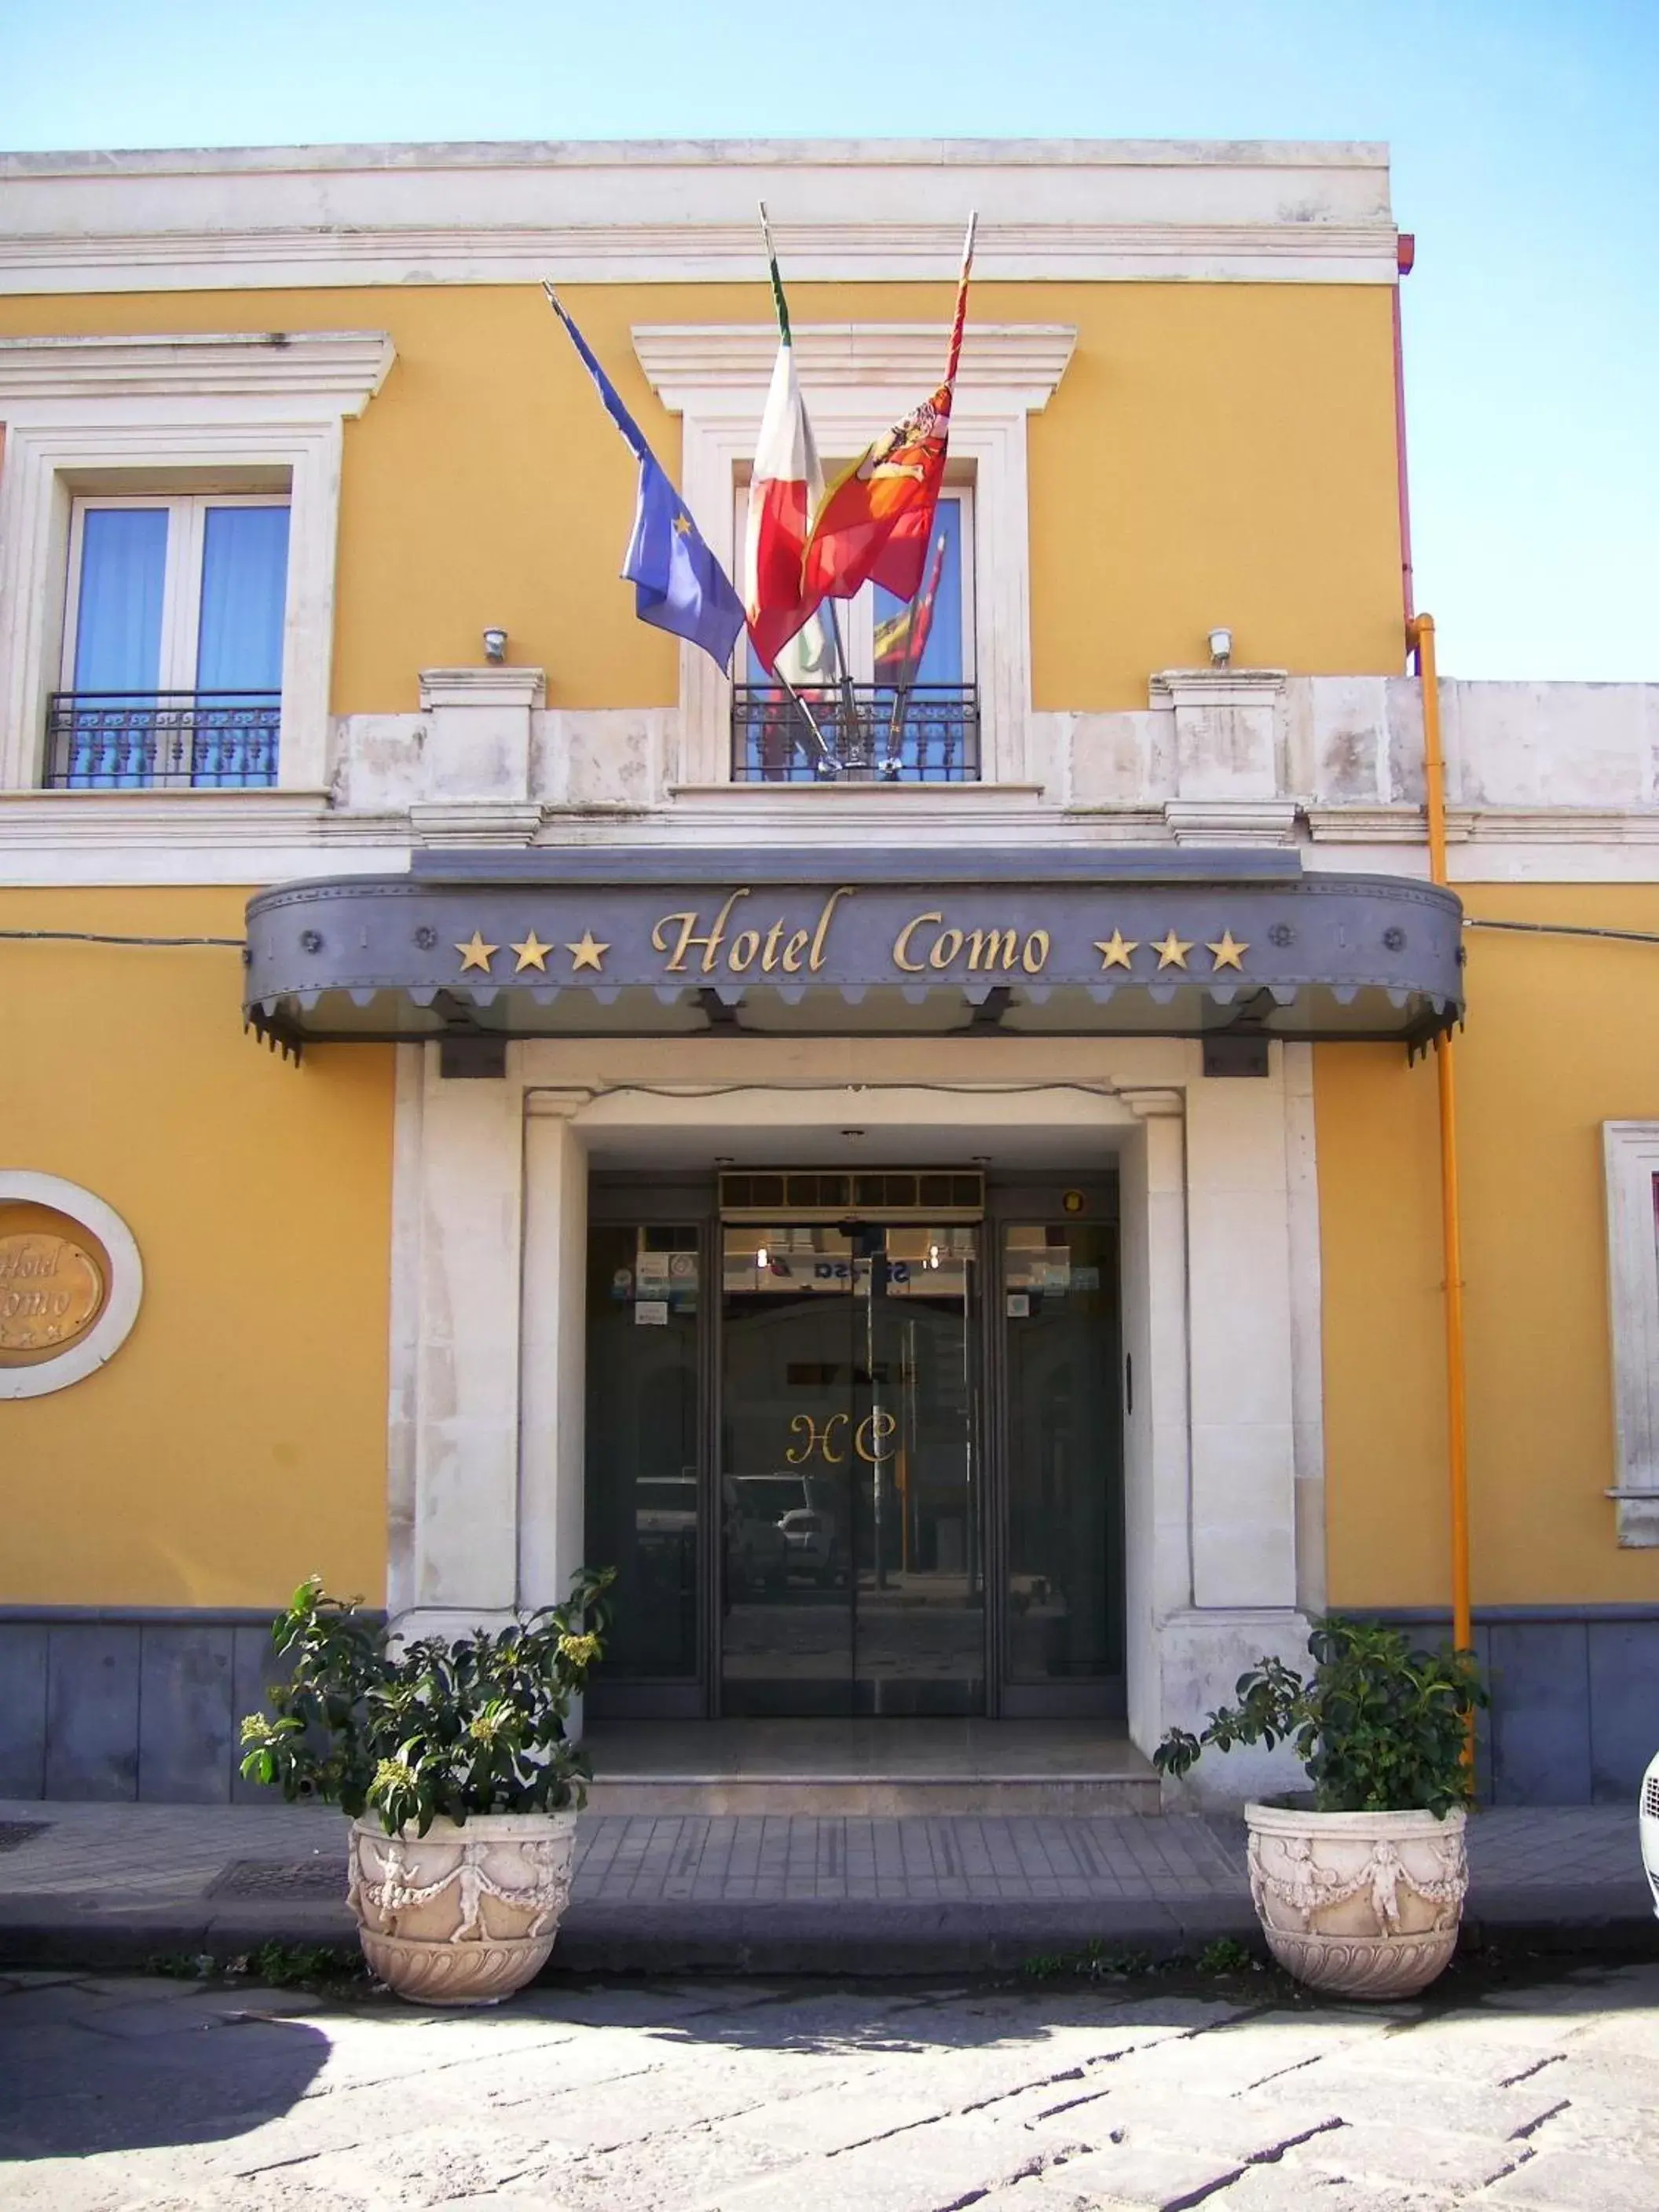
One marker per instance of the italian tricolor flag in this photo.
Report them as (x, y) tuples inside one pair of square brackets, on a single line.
[(786, 486)]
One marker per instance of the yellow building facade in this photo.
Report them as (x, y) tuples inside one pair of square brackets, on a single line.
[(948, 1201)]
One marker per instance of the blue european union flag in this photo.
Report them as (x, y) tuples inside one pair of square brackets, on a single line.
[(679, 584)]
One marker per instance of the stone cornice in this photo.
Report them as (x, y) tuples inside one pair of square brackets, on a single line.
[(1028, 358), (415, 155), (681, 211), (282, 256), (1486, 825), (342, 368), (488, 686), (1204, 688)]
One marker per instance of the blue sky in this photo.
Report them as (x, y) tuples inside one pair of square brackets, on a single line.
[(1526, 158)]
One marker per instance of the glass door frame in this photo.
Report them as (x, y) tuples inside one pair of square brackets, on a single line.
[(617, 1198), (621, 1199), (1008, 1199)]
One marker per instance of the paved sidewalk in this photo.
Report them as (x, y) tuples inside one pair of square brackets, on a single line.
[(1510, 2094), (99, 1883)]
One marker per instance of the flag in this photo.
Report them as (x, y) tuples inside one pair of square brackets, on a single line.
[(787, 484), (875, 521), (901, 640), (679, 584)]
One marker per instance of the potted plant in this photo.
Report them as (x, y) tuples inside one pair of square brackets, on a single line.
[(1361, 1893), (450, 1758)]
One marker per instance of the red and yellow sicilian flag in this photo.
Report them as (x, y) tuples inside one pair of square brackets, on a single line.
[(874, 522), (901, 640)]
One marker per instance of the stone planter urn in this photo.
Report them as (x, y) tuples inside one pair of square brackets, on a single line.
[(1359, 1905), (464, 1915)]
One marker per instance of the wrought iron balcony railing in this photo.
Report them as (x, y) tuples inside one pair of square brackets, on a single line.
[(859, 732), (169, 740)]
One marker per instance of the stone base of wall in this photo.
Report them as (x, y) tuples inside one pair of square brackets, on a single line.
[(135, 1702), (143, 1704), (1574, 1697)]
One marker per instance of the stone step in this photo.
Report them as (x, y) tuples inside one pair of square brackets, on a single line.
[(879, 1795)]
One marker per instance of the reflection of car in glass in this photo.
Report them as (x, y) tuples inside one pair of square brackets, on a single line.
[(813, 1549), (801, 1508), (664, 1508), (756, 1552)]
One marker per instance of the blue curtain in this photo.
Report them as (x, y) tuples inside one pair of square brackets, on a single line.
[(239, 644), (118, 645), (941, 660), (927, 732)]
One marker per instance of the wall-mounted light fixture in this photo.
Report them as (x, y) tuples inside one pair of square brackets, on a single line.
[(494, 645), (1221, 648)]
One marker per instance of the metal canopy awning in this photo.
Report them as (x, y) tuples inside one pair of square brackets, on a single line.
[(608, 942)]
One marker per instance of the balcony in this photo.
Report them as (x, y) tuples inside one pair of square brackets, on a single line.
[(162, 740), (859, 733)]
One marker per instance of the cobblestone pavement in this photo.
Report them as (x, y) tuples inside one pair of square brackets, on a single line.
[(800, 2097), (178, 1850)]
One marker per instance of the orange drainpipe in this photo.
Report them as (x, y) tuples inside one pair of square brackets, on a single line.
[(1405, 255), (1420, 634)]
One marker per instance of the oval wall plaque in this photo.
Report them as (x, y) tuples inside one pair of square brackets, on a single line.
[(71, 1283)]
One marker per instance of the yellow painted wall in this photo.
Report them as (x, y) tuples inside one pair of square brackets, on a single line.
[(238, 1439), (1215, 453), (1561, 1037)]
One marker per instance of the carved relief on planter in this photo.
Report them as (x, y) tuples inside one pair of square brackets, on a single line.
[(462, 1915), (1362, 1904)]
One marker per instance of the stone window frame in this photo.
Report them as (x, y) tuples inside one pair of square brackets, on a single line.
[(186, 412), (856, 378), (1631, 1159)]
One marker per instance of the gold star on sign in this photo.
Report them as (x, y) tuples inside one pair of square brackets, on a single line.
[(1114, 950), (588, 953), (533, 953), (1226, 953), (477, 953), (1172, 951)]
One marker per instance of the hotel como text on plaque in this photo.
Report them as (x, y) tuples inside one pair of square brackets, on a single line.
[(54, 1283)]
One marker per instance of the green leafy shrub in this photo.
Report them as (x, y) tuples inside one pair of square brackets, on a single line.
[(475, 1725), (1379, 1727)]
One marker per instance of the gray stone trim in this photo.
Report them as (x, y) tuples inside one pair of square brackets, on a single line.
[(140, 1703), (234, 1616), (1402, 1615), (1574, 1697), (647, 865)]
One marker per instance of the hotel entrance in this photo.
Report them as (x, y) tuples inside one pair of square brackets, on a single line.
[(855, 1445)]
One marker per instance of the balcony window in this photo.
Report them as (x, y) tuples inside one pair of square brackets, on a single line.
[(908, 711), (173, 648)]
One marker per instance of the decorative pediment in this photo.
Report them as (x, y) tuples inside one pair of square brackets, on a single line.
[(1009, 364)]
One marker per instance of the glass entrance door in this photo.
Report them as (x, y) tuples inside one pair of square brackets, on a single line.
[(1061, 1496), (851, 1557)]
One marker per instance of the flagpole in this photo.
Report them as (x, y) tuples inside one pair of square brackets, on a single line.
[(912, 658), (806, 713), (782, 306), (959, 322)]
